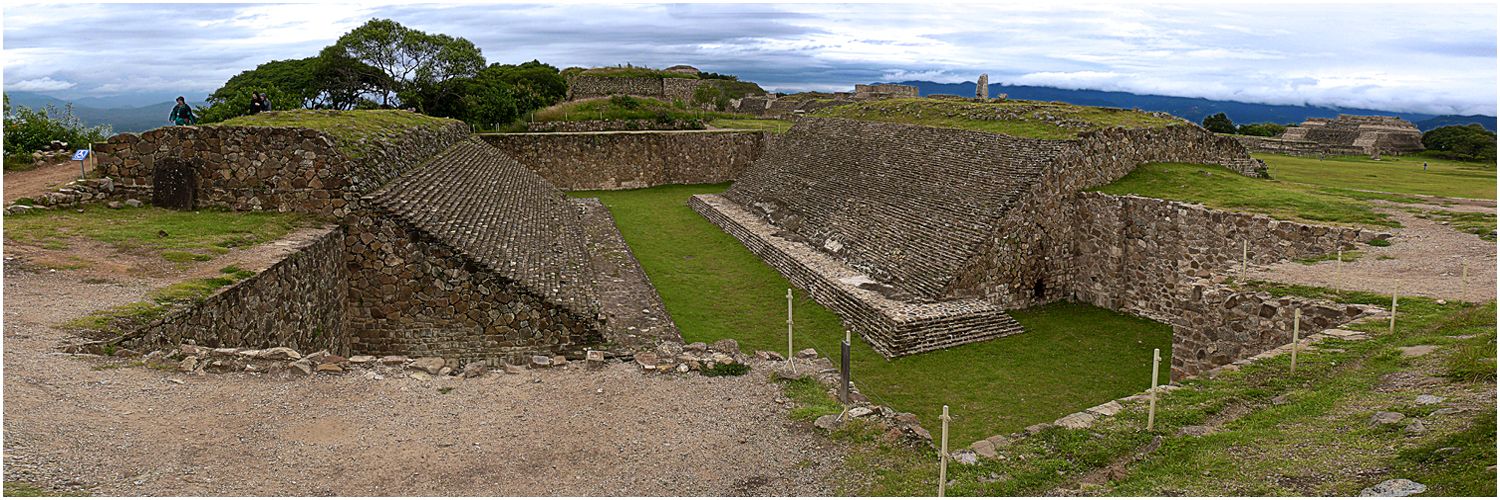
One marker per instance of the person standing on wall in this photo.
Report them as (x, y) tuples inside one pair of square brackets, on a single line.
[(182, 114)]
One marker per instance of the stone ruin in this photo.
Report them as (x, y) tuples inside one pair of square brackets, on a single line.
[(982, 87), (442, 246), (1345, 135), (922, 238)]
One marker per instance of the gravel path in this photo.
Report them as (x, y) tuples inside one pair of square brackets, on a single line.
[(40, 180), (75, 423), (1425, 258)]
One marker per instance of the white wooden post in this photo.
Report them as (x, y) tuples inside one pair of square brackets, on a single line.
[(943, 458), (1155, 367), (1393, 311), (1296, 330), (789, 352), (1463, 275)]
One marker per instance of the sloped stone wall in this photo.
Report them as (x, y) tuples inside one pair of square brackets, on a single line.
[(630, 160), (588, 87), (903, 204), (298, 302), (1026, 260), (412, 294), (1294, 147), (270, 168)]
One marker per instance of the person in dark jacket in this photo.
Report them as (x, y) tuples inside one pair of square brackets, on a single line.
[(257, 103), (265, 102), (182, 114)]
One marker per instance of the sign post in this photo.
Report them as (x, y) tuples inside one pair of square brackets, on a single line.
[(789, 352), (79, 156)]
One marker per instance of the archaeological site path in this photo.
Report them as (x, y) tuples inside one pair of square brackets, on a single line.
[(109, 429)]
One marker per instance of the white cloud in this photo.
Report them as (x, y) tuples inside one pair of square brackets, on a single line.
[(44, 84)]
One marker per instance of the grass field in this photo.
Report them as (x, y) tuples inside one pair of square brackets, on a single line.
[(1393, 174), (765, 124), (1218, 187), (178, 236), (1272, 432), (1071, 357), (1031, 119)]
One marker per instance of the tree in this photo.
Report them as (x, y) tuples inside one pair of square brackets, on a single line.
[(1468, 142), (1262, 129), (414, 62), (1219, 123)]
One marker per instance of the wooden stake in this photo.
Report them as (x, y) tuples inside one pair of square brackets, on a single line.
[(1463, 275), (1393, 312), (943, 459), (1155, 368), (1296, 330), (789, 325)]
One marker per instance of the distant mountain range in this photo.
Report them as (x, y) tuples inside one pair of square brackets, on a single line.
[(1193, 108), (93, 111), (122, 117)]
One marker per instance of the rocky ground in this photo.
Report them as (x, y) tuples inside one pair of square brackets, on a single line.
[(101, 425), (1425, 258)]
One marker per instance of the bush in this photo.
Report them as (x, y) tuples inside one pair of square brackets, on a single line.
[(28, 130), (726, 370), (1219, 123), (1467, 142)]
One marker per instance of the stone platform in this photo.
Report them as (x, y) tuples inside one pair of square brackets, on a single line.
[(893, 327)]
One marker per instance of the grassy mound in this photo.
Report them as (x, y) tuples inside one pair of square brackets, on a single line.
[(621, 107), (1029, 119), (354, 131), (1218, 187)]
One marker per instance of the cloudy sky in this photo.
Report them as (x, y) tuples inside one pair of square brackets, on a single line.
[(1396, 56)]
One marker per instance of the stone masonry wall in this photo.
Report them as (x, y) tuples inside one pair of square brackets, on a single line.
[(1131, 254), (298, 302), (629, 160), (588, 87), (269, 168), (1217, 325), (411, 294), (1025, 262)]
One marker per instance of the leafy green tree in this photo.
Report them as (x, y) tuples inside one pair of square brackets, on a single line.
[(1219, 123), (1468, 142), (1262, 129), (31, 129), (414, 62)]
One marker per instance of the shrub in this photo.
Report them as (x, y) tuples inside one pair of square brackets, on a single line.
[(1219, 123), (726, 370), (1262, 129)]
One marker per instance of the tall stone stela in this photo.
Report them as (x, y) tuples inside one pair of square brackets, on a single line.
[(982, 89)]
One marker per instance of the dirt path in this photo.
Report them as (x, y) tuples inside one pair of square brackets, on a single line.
[(39, 180), (76, 423), (1425, 258)]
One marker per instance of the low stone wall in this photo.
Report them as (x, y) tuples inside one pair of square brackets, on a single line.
[(1131, 253), (411, 294), (1294, 147), (1217, 325), (298, 302), (281, 169), (892, 327), (630, 160)]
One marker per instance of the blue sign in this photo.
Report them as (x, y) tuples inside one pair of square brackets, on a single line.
[(80, 154)]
